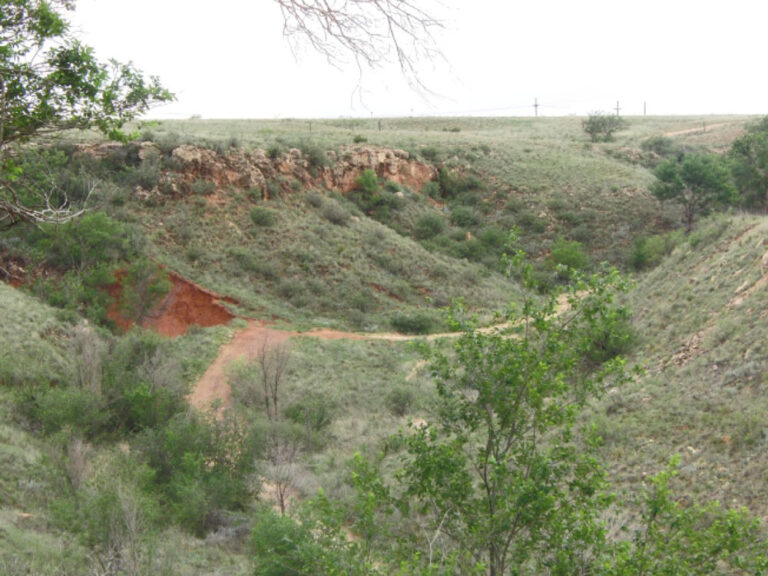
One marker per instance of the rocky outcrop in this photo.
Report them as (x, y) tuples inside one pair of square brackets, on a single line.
[(252, 170)]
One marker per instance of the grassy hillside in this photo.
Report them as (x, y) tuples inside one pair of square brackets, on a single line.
[(310, 256), (701, 319)]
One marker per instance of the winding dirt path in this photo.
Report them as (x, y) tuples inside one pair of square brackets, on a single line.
[(212, 390)]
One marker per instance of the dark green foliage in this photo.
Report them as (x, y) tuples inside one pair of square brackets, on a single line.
[(430, 153), (749, 155), (464, 217), (141, 385), (144, 284), (359, 139), (428, 226), (51, 82), (199, 466), (601, 127), (431, 189), (284, 547), (414, 323), (367, 182), (568, 256), (503, 471), (373, 200), (698, 182), (648, 252), (274, 151), (696, 540), (314, 154), (313, 411), (92, 239), (454, 184), (262, 216)]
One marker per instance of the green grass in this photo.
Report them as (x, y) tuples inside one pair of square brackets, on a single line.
[(701, 317), (699, 314)]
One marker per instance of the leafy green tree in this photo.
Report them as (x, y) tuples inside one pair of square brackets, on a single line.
[(697, 181), (51, 82), (695, 540), (144, 284), (502, 477), (750, 166), (601, 127)]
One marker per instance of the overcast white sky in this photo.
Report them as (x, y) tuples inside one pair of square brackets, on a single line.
[(228, 59)]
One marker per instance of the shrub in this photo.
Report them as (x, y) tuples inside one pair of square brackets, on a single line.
[(283, 546), (431, 189), (314, 412), (313, 154), (601, 127), (262, 216), (335, 213), (647, 252), (359, 139), (368, 182), (202, 187), (464, 217), (414, 323), (199, 467), (428, 226), (660, 145), (399, 400), (430, 153), (275, 151)]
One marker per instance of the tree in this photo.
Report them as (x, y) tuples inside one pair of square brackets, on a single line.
[(750, 166), (368, 30), (50, 82), (502, 481), (600, 126), (696, 181)]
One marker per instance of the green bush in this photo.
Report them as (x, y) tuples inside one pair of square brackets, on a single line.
[(200, 466), (413, 323), (649, 251), (335, 213), (601, 127), (359, 139), (202, 187), (274, 151), (431, 189), (399, 400), (368, 182), (660, 145), (314, 154), (428, 226), (567, 256), (282, 546), (262, 216), (464, 217)]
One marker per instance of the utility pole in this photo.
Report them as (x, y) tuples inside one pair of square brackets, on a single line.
[(617, 108), (536, 107), (643, 107)]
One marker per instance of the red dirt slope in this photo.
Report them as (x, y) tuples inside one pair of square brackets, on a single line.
[(186, 305)]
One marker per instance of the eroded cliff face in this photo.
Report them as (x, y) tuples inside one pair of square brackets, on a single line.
[(252, 170)]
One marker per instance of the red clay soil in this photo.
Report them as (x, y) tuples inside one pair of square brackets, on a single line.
[(245, 344), (186, 305)]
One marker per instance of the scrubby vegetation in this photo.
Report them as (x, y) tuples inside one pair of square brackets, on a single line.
[(364, 453)]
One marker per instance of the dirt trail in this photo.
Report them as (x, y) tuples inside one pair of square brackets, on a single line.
[(704, 128), (213, 388)]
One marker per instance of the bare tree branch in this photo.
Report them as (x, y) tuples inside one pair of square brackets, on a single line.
[(371, 31)]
